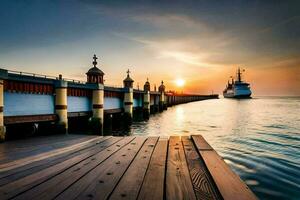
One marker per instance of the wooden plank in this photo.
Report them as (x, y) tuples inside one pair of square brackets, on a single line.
[(20, 145), (14, 188), (201, 143), (132, 180), (30, 159), (18, 173), (204, 185), (100, 182), (229, 184), (12, 154), (18, 151), (153, 185), (54, 186), (178, 180)]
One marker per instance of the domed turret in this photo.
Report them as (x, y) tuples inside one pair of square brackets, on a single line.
[(147, 86), (95, 75), (162, 87), (128, 81)]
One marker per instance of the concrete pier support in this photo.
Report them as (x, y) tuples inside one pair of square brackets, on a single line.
[(128, 99), (146, 105), (161, 89), (61, 104), (98, 111), (161, 101), (95, 77), (3, 75), (128, 105), (2, 127)]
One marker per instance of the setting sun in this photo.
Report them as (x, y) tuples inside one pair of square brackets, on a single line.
[(180, 82)]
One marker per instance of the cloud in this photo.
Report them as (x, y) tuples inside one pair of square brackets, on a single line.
[(279, 24)]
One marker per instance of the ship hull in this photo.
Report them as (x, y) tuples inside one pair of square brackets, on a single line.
[(247, 96)]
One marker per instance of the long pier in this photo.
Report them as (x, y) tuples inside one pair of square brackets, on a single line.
[(33, 99), (132, 167)]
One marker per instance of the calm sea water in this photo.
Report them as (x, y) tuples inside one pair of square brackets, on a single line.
[(259, 138)]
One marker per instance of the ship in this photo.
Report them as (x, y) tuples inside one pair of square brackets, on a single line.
[(237, 88)]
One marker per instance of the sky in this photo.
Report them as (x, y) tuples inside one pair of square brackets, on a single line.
[(201, 42)]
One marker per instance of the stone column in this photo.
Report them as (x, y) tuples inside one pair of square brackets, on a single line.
[(2, 127), (161, 89), (61, 104), (128, 105), (161, 101), (146, 106), (3, 76), (98, 110)]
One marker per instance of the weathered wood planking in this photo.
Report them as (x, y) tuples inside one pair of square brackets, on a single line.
[(178, 180), (201, 143), (124, 168), (30, 159), (228, 183), (17, 173), (203, 185), (51, 188), (153, 185), (16, 187), (100, 182), (132, 180), (13, 149)]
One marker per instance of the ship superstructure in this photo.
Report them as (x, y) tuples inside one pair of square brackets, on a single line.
[(237, 88)]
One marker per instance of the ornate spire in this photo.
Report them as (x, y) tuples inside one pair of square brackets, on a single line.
[(147, 85), (95, 60), (95, 75), (128, 82), (162, 87), (128, 72)]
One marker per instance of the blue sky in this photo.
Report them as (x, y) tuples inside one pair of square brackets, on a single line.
[(200, 41)]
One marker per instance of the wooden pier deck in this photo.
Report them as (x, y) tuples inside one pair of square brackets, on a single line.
[(131, 167)]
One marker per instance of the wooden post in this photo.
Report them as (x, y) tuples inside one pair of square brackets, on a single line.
[(61, 104)]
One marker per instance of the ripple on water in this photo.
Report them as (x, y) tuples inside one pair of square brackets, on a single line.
[(259, 138)]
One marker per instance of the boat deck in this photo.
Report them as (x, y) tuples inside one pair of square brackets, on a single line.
[(131, 167)]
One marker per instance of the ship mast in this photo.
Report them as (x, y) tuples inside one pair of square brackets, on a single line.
[(239, 75)]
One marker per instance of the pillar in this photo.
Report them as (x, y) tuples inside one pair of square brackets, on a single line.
[(2, 127), (128, 105), (3, 75), (128, 99), (96, 81), (161, 89), (161, 101), (98, 110), (61, 104), (146, 106)]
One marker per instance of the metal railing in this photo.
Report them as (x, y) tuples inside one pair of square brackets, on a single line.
[(66, 79), (31, 74)]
